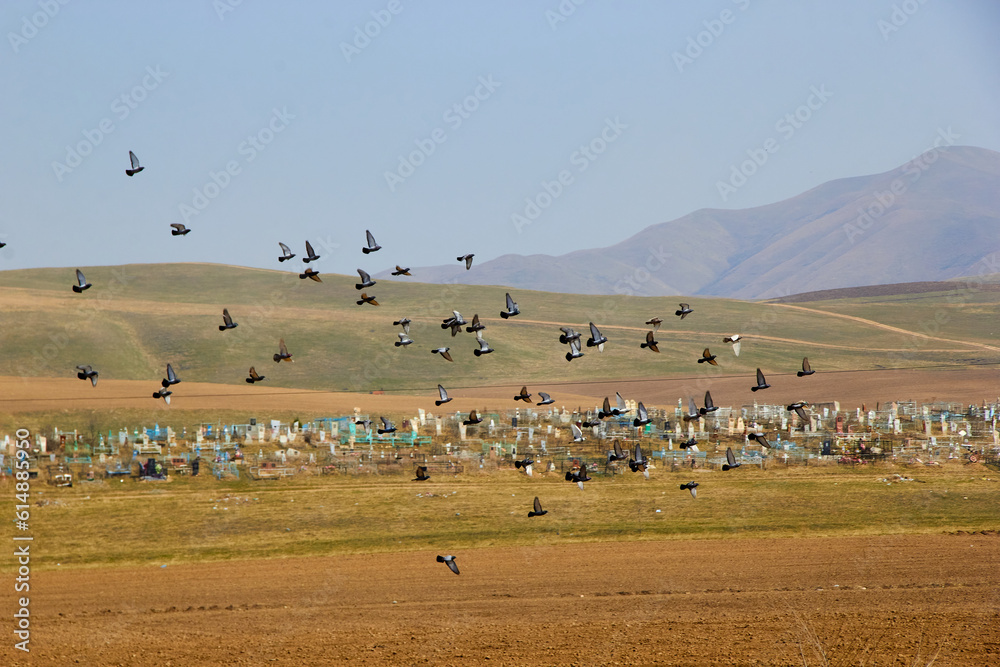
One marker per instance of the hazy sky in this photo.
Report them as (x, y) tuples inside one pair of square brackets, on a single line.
[(436, 131)]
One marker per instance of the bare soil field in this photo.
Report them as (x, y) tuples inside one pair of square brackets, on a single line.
[(893, 600)]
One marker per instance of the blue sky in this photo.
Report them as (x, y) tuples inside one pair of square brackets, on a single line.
[(263, 122)]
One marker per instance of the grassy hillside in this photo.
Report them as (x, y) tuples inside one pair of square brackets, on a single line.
[(137, 318)]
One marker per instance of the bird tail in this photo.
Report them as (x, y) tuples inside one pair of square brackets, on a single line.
[(504, 315)]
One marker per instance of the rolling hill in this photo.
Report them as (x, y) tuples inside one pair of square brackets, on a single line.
[(934, 218)]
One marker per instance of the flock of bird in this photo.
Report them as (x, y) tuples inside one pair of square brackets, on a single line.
[(637, 462)]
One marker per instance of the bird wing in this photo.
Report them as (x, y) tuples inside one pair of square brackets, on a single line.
[(385, 422), (309, 249), (618, 449), (736, 348), (708, 400), (178, 226), (643, 415), (253, 373), (170, 373), (730, 457), (638, 453), (595, 333), (694, 492), (538, 506), (692, 408), (606, 409), (364, 275), (370, 239), (444, 394), (577, 433), (281, 347), (805, 364), (649, 339), (225, 316), (133, 159), (621, 402), (760, 378), (802, 414), (285, 249), (446, 355), (452, 565), (80, 279), (85, 369), (706, 354), (510, 303), (473, 417)]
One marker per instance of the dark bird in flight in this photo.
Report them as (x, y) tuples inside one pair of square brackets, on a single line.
[(443, 351), (400, 271), (467, 259), (524, 395), (684, 311), (596, 339), (87, 373), (525, 463), (761, 382), (568, 335), (312, 274), (484, 347), (164, 394), (422, 475), (444, 397), (178, 229), (760, 438), (512, 308), (735, 339), (2, 244), (283, 354), (286, 252), (387, 426), (651, 343), (589, 424), (366, 299), (546, 399), (693, 414), (690, 443), (692, 487), (806, 368), (372, 246), (310, 255), (474, 418), (450, 561), (366, 280), (642, 418), (797, 408), (707, 356), (655, 323), (730, 460), (537, 511), (574, 350), (476, 325), (171, 378), (364, 423), (136, 167), (227, 321), (606, 410), (580, 476), (639, 462), (81, 282), (254, 377), (404, 322), (454, 322), (617, 454), (709, 405), (403, 340)]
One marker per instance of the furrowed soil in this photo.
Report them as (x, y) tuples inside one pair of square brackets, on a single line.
[(887, 600)]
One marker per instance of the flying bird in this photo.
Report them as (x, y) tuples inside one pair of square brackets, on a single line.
[(387, 426), (616, 454), (366, 299), (136, 167), (639, 462), (286, 252), (525, 463), (164, 394), (709, 405), (760, 438), (651, 343), (171, 378), (735, 339), (366, 280), (227, 321), (546, 399), (589, 423), (538, 511), (312, 274), (606, 410), (642, 418), (596, 339), (806, 368), (524, 395), (568, 335), (450, 561), (690, 443), (730, 460), (444, 397), (404, 322), (693, 414), (684, 311), (467, 259), (81, 282), (254, 377), (577, 433), (797, 408), (484, 347), (422, 475), (622, 408), (707, 356), (453, 321), (692, 487), (512, 308), (476, 325), (580, 476), (310, 255), (443, 351), (403, 340), (655, 323), (400, 271), (761, 382), (574, 350), (372, 246), (364, 423), (178, 229), (474, 418), (87, 373), (283, 354)]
